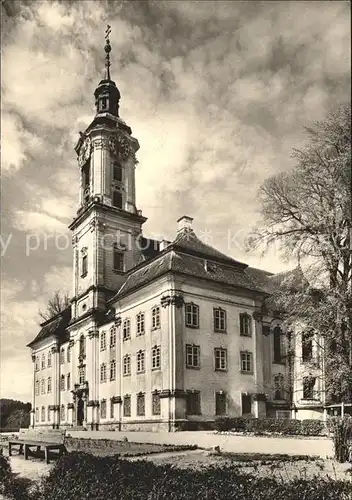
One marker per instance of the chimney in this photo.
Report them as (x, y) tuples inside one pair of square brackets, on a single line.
[(184, 222)]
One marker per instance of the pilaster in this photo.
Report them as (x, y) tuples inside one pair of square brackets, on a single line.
[(56, 383)]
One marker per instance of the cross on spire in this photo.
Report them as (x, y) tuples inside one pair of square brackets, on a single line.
[(107, 49)]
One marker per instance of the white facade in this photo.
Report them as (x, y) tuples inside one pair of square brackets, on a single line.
[(186, 358)]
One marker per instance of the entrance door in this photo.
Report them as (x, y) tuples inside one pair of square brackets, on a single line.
[(80, 412)]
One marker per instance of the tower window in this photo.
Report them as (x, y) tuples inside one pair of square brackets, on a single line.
[(117, 199), (117, 172), (86, 175), (117, 259), (84, 265), (104, 103)]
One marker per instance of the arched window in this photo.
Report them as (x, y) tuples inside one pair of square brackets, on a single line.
[(49, 385), (113, 336), (126, 329), (140, 324), (62, 356), (103, 372), (103, 341), (155, 317), (82, 346), (112, 370), (245, 325), (49, 359), (279, 345)]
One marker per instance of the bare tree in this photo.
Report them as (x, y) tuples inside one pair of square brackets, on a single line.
[(56, 304), (306, 213)]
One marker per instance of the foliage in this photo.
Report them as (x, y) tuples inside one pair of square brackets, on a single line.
[(79, 475), (14, 414), (56, 304), (288, 427), (306, 213), (341, 429), (10, 485)]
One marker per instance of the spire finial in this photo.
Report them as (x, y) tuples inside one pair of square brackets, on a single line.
[(107, 49)]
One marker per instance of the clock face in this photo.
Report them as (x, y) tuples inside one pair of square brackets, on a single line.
[(84, 153)]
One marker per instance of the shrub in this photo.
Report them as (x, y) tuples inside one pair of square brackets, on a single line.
[(261, 426), (342, 437), (12, 486), (79, 475)]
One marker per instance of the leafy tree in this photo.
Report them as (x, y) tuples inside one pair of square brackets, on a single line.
[(14, 414), (56, 304), (306, 213)]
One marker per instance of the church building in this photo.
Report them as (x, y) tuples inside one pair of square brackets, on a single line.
[(160, 335)]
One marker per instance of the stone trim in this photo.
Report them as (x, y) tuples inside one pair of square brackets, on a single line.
[(93, 403), (166, 393), (116, 400), (259, 397), (174, 300), (70, 406)]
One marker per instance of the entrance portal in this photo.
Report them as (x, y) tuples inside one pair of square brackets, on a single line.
[(80, 411)]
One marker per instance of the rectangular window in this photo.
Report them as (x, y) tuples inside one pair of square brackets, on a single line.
[(277, 334), (156, 407), (117, 259), (62, 413), (192, 315), (49, 414), (308, 387), (84, 266), (43, 386), (112, 409), (68, 381), (103, 372), (43, 362), (82, 374), (86, 175), (192, 356), (37, 388), (140, 324), (36, 366), (37, 414), (246, 401), (193, 403), (219, 320), (49, 359), (43, 414), (82, 346), (220, 359), (117, 172), (68, 354), (49, 385), (279, 392), (220, 403), (155, 317), (62, 356), (127, 365), (113, 337), (140, 362), (246, 362), (140, 405), (245, 325), (126, 329), (62, 383), (113, 370), (117, 199), (103, 341), (127, 406), (307, 347), (103, 408), (156, 358)]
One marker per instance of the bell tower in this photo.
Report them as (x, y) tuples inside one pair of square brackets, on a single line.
[(107, 226)]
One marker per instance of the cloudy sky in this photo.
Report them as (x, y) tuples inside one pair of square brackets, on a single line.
[(217, 94)]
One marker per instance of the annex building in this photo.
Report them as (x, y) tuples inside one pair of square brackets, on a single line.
[(159, 333)]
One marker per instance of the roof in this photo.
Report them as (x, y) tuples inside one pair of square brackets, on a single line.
[(188, 255), (54, 327)]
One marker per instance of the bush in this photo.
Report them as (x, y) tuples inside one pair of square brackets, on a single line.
[(342, 437), (79, 475), (261, 426), (12, 486)]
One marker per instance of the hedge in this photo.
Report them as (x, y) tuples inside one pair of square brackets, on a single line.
[(79, 475), (259, 426)]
